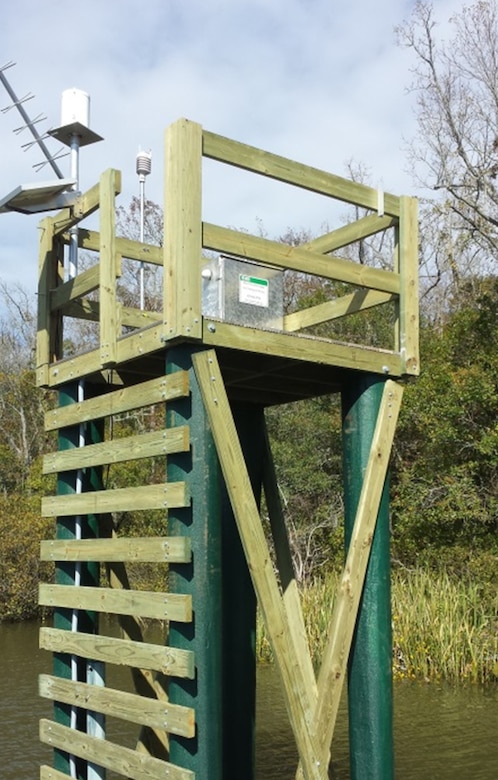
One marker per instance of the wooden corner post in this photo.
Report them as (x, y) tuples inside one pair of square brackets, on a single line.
[(183, 231)]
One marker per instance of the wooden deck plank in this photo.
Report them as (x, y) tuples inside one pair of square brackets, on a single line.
[(170, 661), (147, 604)]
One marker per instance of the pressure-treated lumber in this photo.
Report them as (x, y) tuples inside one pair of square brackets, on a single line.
[(339, 307), (145, 445), (82, 284), (408, 305), (299, 698), (350, 233), (124, 761), (86, 204), (48, 277), (252, 159), (170, 549), (298, 259), (305, 349), (340, 634), (162, 496), (182, 229), (120, 704), (108, 270), (147, 604), (127, 399), (48, 773), (125, 247), (122, 652)]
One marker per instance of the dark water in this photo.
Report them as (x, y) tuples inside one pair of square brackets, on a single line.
[(441, 733)]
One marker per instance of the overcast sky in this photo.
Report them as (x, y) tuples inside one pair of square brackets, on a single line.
[(319, 81)]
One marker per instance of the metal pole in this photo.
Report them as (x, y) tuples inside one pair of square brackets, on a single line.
[(202, 579), (73, 231), (142, 264), (370, 663)]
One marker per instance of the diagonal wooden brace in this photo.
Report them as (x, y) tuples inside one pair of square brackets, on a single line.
[(342, 625), (300, 700)]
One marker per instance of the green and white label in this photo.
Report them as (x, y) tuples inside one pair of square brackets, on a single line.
[(253, 289)]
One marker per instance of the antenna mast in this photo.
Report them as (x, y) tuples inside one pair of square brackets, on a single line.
[(144, 164), (30, 124)]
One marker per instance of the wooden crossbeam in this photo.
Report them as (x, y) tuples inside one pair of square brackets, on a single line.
[(170, 549), (339, 307), (170, 661), (299, 698), (166, 495), (86, 282), (173, 718), (127, 399), (124, 761), (350, 233), (140, 603), (298, 259), (126, 247), (282, 169), (144, 445)]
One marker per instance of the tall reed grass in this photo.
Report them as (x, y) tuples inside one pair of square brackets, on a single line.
[(443, 628)]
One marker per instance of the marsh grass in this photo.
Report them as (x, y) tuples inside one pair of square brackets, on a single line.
[(443, 628)]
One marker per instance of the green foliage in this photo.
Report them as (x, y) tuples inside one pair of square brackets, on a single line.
[(305, 440), (445, 491), (21, 529)]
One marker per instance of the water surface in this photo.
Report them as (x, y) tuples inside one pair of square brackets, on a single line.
[(441, 733)]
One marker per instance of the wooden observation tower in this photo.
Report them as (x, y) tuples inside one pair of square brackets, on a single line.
[(216, 352)]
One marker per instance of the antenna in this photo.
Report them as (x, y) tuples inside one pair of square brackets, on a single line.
[(144, 165), (30, 124), (74, 132)]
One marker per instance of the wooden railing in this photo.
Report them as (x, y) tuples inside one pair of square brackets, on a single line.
[(126, 332)]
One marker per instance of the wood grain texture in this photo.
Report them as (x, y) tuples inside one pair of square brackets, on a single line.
[(126, 762)]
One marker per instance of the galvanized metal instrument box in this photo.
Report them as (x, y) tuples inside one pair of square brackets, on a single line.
[(243, 293)]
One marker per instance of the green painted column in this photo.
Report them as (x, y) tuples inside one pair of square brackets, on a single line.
[(239, 612), (202, 579), (370, 663)]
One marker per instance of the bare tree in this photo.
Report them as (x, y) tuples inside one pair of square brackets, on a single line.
[(455, 151)]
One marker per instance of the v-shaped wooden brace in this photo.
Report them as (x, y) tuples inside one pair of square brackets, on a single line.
[(312, 707)]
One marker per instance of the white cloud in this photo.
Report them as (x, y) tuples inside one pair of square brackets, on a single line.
[(318, 81)]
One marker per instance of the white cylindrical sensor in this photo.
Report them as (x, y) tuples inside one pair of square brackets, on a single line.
[(75, 107)]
